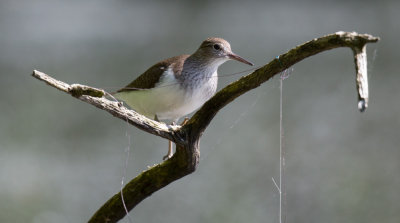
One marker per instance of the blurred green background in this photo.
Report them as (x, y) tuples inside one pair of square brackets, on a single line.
[(61, 159)]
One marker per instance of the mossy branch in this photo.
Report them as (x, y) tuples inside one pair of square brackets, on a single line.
[(187, 137)]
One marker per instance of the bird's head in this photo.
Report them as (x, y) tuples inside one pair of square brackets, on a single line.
[(218, 50)]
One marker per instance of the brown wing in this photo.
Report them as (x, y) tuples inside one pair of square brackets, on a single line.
[(151, 76)]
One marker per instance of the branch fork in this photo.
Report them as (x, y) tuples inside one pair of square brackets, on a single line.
[(187, 137)]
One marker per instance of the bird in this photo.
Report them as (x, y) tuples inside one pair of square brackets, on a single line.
[(179, 85)]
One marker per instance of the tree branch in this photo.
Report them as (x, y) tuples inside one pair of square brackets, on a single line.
[(186, 158), (355, 41), (95, 97)]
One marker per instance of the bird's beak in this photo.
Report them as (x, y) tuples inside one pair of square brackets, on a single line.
[(238, 58)]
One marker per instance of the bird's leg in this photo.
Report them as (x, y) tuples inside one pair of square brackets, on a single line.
[(170, 151)]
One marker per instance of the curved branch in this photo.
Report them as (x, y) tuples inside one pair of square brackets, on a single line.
[(355, 41), (186, 159)]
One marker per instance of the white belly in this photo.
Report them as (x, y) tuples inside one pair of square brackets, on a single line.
[(168, 100)]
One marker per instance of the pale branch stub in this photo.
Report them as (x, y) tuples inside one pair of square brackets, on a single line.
[(187, 137)]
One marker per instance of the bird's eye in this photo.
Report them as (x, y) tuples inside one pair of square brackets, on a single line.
[(217, 47)]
